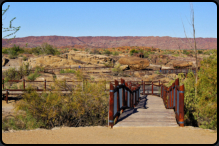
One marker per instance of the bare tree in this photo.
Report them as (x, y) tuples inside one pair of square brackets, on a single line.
[(10, 28), (193, 46)]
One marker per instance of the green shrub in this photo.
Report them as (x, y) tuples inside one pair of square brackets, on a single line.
[(67, 71), (133, 51), (201, 110), (21, 122), (95, 51), (39, 69), (25, 58), (117, 70), (107, 52), (186, 52), (33, 76), (200, 52), (4, 51), (87, 106), (108, 64), (14, 52), (11, 74), (115, 53)]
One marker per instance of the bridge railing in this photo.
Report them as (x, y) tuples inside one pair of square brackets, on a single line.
[(173, 98), (122, 96)]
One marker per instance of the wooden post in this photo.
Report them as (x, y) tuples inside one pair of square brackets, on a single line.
[(24, 83), (173, 94), (152, 87), (126, 95), (6, 98), (176, 85), (45, 84), (173, 85), (118, 103), (3, 83), (111, 104), (123, 93), (161, 90), (143, 87), (181, 106), (131, 98)]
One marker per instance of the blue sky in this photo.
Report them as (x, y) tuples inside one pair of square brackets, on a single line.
[(111, 18)]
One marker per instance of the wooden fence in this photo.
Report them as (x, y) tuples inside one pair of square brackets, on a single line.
[(173, 98), (122, 96)]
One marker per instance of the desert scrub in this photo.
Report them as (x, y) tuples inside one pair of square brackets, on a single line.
[(67, 71), (39, 68), (201, 110), (21, 122), (117, 70), (87, 106), (115, 53), (11, 74), (33, 76), (133, 51)]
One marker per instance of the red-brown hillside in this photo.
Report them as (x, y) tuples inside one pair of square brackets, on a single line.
[(110, 42)]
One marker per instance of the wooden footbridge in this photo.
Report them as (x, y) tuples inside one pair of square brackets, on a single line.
[(129, 106)]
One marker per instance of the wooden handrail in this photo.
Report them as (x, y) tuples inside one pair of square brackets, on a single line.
[(173, 98), (127, 94)]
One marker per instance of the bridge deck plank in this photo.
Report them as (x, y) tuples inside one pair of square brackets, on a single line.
[(149, 112)]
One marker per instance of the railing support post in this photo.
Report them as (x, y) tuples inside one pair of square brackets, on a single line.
[(126, 95), (123, 93), (118, 103), (24, 83), (3, 83), (181, 106), (111, 104), (143, 87), (45, 84), (176, 85), (6, 98), (152, 87)]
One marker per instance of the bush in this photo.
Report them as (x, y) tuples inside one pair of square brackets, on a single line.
[(117, 70), (186, 52), (4, 51), (133, 51), (83, 107), (95, 51), (115, 53), (33, 76), (67, 71), (45, 49), (107, 52), (21, 122), (14, 52), (11, 74), (200, 52), (39, 69), (25, 58), (201, 110)]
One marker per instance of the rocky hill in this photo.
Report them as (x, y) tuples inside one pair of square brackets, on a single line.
[(170, 43)]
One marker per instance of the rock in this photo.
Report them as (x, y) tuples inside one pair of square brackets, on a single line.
[(3, 61), (134, 63), (124, 67), (181, 64)]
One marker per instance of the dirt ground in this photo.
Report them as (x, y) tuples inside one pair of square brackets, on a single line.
[(106, 135)]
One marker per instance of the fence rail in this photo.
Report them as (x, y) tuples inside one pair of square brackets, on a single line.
[(122, 96), (173, 98)]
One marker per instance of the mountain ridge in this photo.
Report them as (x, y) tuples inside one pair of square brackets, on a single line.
[(164, 43)]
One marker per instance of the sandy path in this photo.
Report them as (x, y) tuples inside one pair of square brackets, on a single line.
[(95, 135)]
